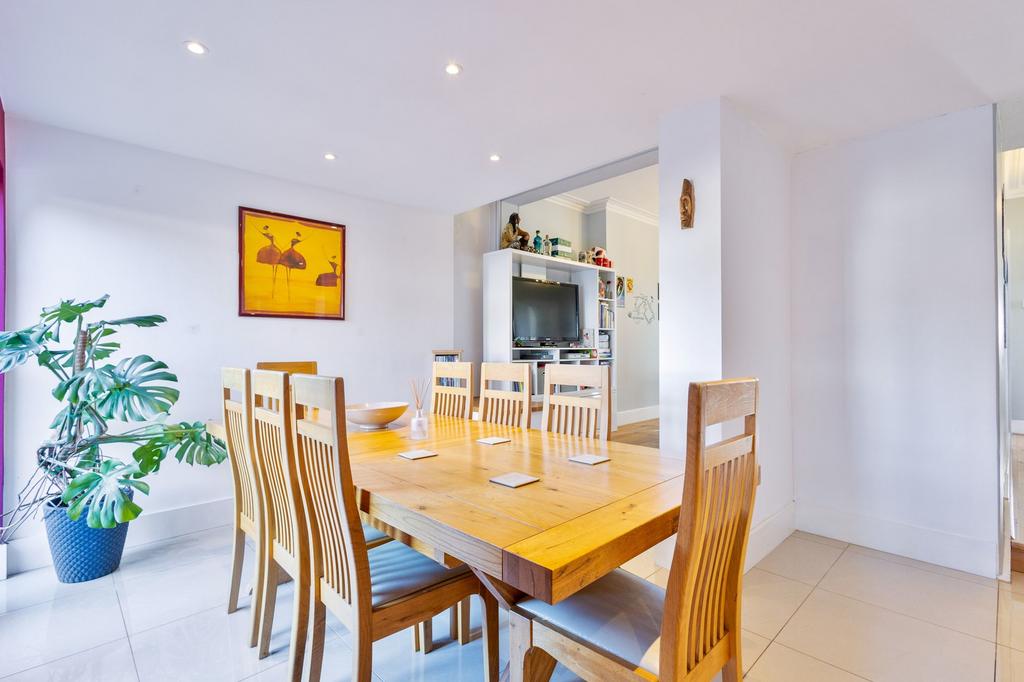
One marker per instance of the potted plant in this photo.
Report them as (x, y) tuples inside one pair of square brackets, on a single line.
[(88, 496)]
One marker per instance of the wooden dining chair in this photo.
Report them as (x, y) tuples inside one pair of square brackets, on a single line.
[(373, 592), (236, 399), (585, 412), (507, 403), (292, 367), (286, 535), (452, 389), (622, 627)]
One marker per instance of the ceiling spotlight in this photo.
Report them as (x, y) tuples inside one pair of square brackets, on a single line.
[(495, 157), (453, 69), (196, 47), (329, 156)]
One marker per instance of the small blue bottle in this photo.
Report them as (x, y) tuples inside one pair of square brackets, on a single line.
[(537, 242)]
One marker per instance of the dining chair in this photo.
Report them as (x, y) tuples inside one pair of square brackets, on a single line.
[(286, 535), (373, 592), (236, 398), (507, 402), (585, 412), (451, 388), (290, 366), (622, 627)]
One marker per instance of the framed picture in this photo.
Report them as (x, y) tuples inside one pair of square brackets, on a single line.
[(620, 292), (290, 266)]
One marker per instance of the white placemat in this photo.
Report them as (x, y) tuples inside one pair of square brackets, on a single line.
[(417, 454), (514, 479)]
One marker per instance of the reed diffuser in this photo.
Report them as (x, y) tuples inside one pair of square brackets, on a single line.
[(418, 426)]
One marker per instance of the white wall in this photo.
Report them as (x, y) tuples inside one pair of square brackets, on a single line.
[(552, 219), (158, 232), (1013, 215), (473, 237), (894, 341), (756, 288), (633, 246)]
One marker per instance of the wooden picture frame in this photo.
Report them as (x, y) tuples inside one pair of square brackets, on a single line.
[(278, 278)]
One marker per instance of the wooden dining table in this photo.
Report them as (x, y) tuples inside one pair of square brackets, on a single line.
[(547, 539)]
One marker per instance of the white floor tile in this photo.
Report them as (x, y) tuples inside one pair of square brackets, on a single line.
[(803, 535), (212, 645), (154, 598), (109, 662), (782, 664), (800, 559), (882, 645), (769, 601), (41, 585), (924, 566), (214, 543), (950, 602), (46, 632)]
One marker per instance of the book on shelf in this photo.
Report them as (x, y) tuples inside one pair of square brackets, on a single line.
[(447, 356)]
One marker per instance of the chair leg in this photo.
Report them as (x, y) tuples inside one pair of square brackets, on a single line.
[(316, 649), (300, 625), (416, 645), (731, 671), (425, 635), (460, 622), (527, 663), (258, 590), (270, 581), (362, 656), (490, 635), (238, 556)]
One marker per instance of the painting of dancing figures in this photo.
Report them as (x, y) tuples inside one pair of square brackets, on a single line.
[(290, 266)]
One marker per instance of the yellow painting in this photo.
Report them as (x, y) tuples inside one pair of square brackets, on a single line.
[(290, 266)]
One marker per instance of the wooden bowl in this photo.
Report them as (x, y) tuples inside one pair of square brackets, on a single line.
[(374, 416)]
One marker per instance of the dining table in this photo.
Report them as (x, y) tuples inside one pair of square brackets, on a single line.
[(547, 539)]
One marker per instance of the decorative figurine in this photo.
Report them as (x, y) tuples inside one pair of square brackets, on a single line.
[(546, 245), (686, 205), (537, 242), (513, 236)]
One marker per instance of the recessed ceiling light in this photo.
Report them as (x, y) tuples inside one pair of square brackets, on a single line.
[(329, 156), (495, 157), (453, 69), (196, 47)]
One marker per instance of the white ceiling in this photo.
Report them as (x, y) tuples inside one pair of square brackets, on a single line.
[(638, 188), (554, 87)]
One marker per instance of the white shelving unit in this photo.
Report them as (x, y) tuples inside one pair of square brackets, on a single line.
[(500, 267)]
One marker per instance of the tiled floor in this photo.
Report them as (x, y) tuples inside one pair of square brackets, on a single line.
[(815, 610)]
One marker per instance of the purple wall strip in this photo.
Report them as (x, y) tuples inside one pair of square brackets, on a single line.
[(3, 286)]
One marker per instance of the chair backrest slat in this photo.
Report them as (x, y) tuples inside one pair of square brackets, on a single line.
[(500, 405), (585, 413), (451, 389), (702, 603), (272, 439), (292, 367), (340, 562), (236, 397)]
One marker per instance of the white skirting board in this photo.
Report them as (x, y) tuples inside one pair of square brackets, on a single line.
[(640, 414), (1017, 426), (764, 537), (972, 555), (24, 554)]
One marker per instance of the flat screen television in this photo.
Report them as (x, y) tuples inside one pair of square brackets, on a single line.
[(545, 312)]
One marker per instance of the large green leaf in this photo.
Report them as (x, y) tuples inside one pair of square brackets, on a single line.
[(190, 443), (69, 310), (137, 321), (137, 390), (102, 490), (18, 346)]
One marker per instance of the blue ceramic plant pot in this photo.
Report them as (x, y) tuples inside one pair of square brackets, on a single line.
[(81, 553)]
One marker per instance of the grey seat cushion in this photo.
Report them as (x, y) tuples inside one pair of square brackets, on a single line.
[(620, 614), (397, 571), (373, 536)]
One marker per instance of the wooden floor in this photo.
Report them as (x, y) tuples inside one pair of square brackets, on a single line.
[(637, 433)]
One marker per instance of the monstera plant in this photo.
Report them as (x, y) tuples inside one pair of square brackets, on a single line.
[(75, 470)]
